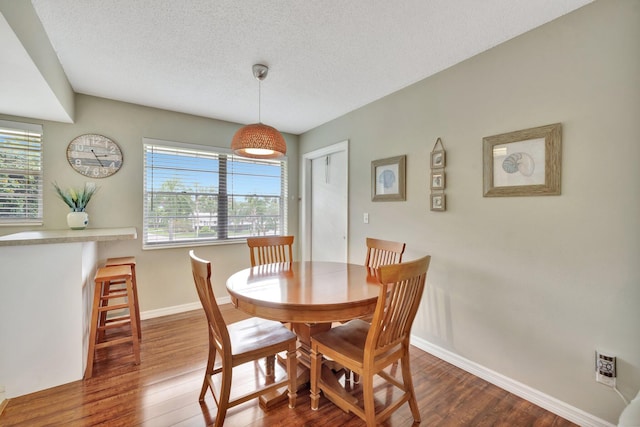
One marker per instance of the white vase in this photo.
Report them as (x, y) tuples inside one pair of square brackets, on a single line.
[(77, 220)]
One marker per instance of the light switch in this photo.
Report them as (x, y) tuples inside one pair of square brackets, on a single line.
[(366, 218)]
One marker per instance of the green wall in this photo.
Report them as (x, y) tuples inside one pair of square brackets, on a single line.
[(527, 287)]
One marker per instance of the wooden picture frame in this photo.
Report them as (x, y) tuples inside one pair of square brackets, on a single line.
[(388, 179), (438, 180), (438, 159), (438, 202), (523, 163)]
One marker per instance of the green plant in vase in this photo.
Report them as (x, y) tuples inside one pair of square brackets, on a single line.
[(77, 200)]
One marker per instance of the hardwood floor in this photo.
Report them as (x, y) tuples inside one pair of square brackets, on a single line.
[(163, 391)]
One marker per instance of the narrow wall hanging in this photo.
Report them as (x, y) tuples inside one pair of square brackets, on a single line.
[(437, 177)]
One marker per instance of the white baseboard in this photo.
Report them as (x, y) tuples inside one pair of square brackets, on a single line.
[(150, 314), (3, 403), (532, 395)]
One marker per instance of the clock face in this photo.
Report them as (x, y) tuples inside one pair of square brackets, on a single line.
[(95, 156)]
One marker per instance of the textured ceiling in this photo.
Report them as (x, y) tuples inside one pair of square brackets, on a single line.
[(326, 58)]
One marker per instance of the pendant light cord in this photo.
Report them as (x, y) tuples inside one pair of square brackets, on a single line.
[(259, 101)]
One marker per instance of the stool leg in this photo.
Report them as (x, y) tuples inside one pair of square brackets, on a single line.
[(94, 326), (134, 322), (105, 288), (135, 295)]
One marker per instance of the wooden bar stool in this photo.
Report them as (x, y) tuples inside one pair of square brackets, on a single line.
[(131, 262), (105, 299)]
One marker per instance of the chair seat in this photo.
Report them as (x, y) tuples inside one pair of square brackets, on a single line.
[(347, 339), (255, 335)]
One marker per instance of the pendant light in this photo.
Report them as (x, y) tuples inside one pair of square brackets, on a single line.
[(259, 141)]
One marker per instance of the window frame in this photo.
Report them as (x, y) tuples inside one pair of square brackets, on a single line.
[(34, 192), (206, 151)]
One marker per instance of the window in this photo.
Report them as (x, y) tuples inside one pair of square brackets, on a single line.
[(20, 173), (199, 195)]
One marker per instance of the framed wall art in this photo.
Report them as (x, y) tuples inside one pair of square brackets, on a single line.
[(388, 179), (438, 202), (438, 157), (437, 179), (523, 163)]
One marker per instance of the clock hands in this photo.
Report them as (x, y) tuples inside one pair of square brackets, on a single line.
[(96, 156)]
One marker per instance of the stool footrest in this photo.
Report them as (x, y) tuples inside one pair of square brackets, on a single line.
[(114, 342), (112, 307), (115, 294), (115, 322)]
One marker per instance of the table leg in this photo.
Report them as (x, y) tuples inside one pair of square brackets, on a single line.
[(275, 397), (304, 331), (330, 373)]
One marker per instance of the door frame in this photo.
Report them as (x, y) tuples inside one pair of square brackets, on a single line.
[(305, 208)]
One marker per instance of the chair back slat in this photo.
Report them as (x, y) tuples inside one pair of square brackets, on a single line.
[(383, 252), (401, 289), (270, 249), (218, 333)]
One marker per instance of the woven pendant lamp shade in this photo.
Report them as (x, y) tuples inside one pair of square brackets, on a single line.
[(259, 141)]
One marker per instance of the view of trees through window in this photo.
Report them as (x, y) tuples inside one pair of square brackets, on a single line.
[(20, 173), (199, 195)]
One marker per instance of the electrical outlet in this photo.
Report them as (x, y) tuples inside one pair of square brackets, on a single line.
[(365, 218), (605, 369)]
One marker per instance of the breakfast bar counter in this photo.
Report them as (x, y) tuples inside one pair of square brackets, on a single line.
[(68, 236), (45, 305)]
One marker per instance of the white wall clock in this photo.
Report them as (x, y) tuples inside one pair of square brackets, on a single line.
[(95, 156)]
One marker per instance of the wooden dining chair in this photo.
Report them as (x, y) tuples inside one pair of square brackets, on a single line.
[(383, 252), (238, 343), (367, 349), (270, 249)]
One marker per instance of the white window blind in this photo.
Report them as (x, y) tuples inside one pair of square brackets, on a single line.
[(20, 173), (198, 195)]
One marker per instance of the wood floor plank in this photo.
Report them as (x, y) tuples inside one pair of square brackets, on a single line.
[(163, 391)]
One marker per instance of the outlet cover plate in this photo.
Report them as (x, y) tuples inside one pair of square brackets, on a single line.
[(605, 369)]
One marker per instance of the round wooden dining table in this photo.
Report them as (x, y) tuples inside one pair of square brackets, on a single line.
[(305, 292), (311, 296)]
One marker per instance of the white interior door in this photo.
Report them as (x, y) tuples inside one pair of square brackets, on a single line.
[(325, 207)]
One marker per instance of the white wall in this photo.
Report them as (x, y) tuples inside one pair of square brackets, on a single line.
[(55, 94), (164, 276), (528, 287), (43, 323)]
